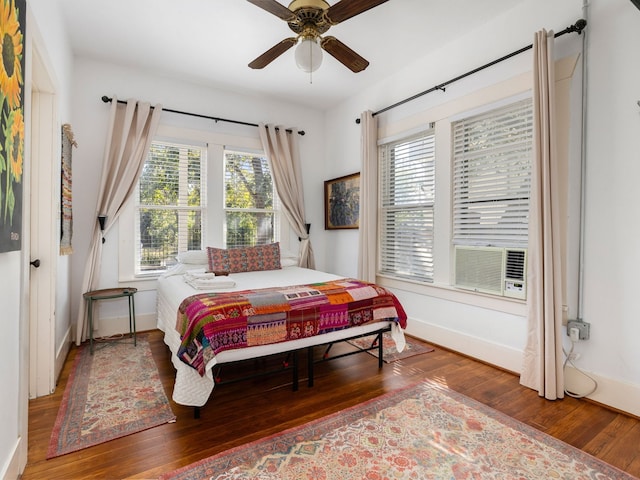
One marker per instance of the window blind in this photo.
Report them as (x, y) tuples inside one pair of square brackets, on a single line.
[(407, 195), (171, 199), (250, 200), (492, 176)]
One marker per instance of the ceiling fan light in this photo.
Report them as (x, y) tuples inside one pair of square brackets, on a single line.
[(308, 55)]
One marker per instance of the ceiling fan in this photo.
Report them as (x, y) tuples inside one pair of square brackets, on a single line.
[(309, 19)]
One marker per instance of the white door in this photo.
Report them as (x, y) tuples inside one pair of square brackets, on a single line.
[(45, 178)]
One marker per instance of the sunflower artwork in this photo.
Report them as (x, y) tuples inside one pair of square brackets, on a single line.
[(12, 24)]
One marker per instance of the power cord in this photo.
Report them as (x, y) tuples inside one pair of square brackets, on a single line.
[(569, 360)]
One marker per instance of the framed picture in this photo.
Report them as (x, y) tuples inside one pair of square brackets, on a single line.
[(342, 202)]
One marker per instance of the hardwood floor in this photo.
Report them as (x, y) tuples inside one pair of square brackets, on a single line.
[(250, 410)]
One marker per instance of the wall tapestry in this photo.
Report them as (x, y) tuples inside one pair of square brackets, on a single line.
[(66, 217), (12, 33), (342, 202)]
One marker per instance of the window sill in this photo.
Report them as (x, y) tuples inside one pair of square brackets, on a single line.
[(453, 294), (142, 283)]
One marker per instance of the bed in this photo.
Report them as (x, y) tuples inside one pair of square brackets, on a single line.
[(180, 288)]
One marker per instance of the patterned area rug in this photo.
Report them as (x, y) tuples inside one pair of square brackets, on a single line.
[(389, 351), (422, 432), (110, 394)]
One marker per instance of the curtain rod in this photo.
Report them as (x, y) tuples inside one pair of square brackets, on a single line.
[(106, 99), (576, 27)]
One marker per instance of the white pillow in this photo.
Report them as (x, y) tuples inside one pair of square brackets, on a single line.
[(193, 257), (288, 259), (182, 268), (288, 262)]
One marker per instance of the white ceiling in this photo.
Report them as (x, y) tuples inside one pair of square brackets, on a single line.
[(211, 42)]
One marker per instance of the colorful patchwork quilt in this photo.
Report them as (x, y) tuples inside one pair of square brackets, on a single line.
[(210, 323)]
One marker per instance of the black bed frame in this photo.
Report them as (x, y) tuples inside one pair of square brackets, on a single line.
[(292, 361)]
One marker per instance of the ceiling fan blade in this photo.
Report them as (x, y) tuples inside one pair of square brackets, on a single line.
[(275, 8), (343, 54), (346, 9), (274, 52)]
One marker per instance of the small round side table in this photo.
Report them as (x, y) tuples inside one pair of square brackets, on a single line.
[(108, 293)]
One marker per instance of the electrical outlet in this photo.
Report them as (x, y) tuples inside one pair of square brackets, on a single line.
[(574, 356), (574, 334), (583, 329)]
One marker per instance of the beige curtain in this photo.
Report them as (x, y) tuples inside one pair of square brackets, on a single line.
[(131, 130), (368, 223), (281, 148), (542, 368)]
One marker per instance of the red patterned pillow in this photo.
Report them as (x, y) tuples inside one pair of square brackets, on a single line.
[(245, 259)]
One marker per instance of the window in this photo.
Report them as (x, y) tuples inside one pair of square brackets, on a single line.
[(250, 205), (181, 202), (492, 176), (169, 211), (407, 195)]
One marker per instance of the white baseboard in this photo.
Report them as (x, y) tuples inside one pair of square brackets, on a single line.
[(61, 354), (106, 327), (12, 470), (493, 353), (612, 393)]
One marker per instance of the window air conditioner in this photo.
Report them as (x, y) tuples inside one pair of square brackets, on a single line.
[(493, 270)]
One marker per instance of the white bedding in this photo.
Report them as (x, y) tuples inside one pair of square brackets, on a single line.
[(192, 389)]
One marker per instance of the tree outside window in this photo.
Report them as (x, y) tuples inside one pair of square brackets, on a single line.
[(170, 207), (250, 200)]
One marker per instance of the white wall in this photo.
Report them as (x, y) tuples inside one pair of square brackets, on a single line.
[(92, 80), (613, 169), (10, 298), (611, 354), (14, 266)]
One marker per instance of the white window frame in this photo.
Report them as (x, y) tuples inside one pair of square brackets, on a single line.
[(181, 207), (276, 209), (442, 115), (495, 172), (214, 235), (420, 207)]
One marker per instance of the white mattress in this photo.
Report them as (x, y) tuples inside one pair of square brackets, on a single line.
[(194, 390)]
